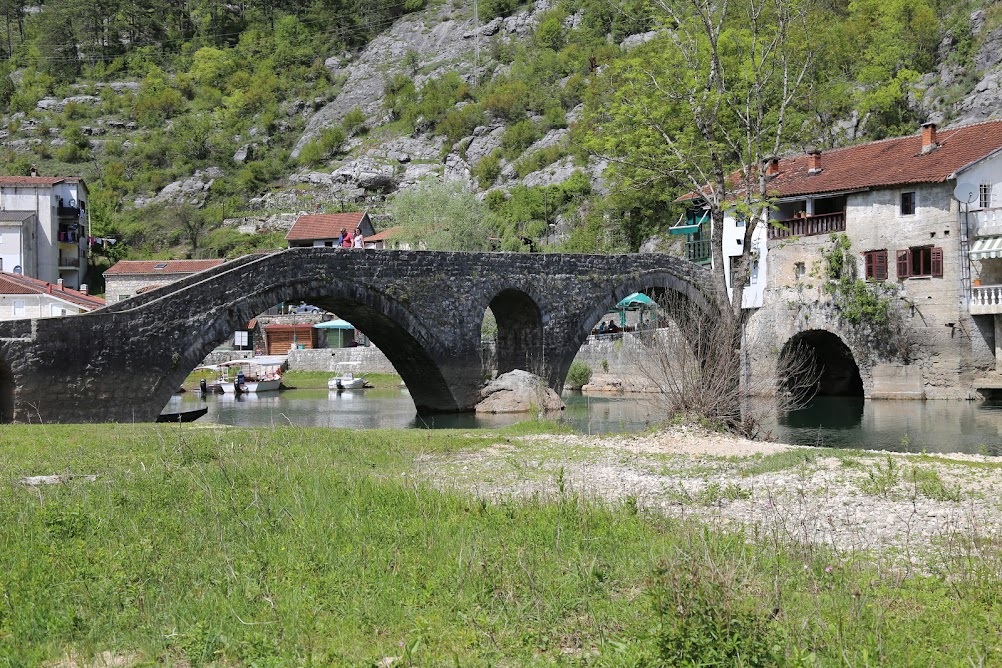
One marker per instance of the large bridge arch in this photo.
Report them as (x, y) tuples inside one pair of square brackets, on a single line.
[(392, 328)]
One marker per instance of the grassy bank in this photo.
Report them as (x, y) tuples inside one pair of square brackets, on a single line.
[(300, 380), (322, 547)]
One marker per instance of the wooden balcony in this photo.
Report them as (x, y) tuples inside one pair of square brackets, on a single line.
[(808, 226), (985, 300), (698, 251)]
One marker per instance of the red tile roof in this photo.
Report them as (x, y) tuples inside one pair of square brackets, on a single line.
[(37, 180), (887, 163), (128, 267), (16, 284), (388, 233), (324, 225)]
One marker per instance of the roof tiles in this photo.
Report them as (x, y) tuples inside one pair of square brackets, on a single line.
[(324, 225), (16, 284)]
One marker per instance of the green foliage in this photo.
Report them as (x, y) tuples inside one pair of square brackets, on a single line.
[(857, 301), (329, 143), (487, 171), (493, 8), (353, 122), (518, 137), (442, 216), (881, 479), (578, 375)]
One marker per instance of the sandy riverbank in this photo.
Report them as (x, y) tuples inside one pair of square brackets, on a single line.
[(907, 507)]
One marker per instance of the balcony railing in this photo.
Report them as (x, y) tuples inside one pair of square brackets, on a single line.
[(986, 222), (986, 300), (697, 251), (68, 262), (807, 227)]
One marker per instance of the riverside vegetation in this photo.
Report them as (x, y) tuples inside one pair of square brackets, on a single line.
[(219, 546)]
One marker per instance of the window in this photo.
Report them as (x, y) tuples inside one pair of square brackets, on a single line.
[(920, 261), (18, 308), (160, 265), (122, 298), (241, 339), (876, 265), (908, 204), (985, 195), (799, 270)]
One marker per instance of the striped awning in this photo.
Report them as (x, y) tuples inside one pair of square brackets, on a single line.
[(986, 248)]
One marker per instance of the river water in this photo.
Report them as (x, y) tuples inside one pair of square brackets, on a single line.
[(916, 426)]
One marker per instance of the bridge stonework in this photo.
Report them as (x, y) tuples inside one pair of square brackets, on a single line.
[(423, 309)]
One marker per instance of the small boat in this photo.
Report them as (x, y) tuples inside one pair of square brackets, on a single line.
[(346, 380), (183, 416), (255, 375), (251, 386)]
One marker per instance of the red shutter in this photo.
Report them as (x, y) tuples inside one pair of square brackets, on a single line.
[(904, 264), (868, 262), (880, 265), (937, 262)]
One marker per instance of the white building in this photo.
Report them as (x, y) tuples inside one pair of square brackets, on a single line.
[(25, 297), (44, 228)]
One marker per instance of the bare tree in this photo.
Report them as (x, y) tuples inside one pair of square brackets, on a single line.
[(691, 361)]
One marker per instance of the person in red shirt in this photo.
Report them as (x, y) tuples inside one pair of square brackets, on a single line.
[(346, 240)]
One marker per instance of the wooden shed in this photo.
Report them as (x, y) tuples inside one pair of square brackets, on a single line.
[(282, 338)]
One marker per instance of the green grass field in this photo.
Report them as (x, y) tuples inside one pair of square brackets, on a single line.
[(291, 546)]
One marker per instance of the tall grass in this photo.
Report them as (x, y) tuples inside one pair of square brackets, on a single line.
[(301, 546)]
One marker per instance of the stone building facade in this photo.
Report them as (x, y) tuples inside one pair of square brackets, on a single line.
[(934, 260), (129, 278)]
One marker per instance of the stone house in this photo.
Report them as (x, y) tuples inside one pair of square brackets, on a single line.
[(26, 297), (44, 228), (129, 278), (323, 229), (935, 260)]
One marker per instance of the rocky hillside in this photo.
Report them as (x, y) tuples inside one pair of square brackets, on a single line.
[(211, 148)]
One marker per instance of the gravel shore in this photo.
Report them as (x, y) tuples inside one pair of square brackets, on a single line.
[(909, 507)]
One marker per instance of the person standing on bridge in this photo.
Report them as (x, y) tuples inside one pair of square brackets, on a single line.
[(345, 239), (358, 241), (340, 237)]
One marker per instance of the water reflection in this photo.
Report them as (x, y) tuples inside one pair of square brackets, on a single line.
[(932, 426), (915, 426)]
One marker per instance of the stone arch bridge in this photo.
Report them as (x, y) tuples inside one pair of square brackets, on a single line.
[(423, 309)]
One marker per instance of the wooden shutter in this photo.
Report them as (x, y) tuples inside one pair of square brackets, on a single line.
[(904, 264), (868, 262), (880, 265), (937, 262)]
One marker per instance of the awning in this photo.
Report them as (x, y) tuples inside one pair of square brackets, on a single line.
[(685, 227), (635, 301), (986, 248), (334, 324)]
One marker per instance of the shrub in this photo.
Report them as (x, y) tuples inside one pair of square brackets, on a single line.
[(518, 137), (507, 100), (460, 123), (488, 169), (353, 122), (578, 375), (329, 143)]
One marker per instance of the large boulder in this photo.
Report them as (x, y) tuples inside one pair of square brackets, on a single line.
[(518, 392)]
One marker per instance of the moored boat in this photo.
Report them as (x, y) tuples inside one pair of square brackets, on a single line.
[(183, 416)]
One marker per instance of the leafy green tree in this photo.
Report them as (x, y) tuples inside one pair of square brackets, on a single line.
[(443, 216), (701, 107)]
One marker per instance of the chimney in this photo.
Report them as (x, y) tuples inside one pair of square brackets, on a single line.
[(928, 137), (771, 167), (813, 161), (59, 283), (33, 171), (83, 288)]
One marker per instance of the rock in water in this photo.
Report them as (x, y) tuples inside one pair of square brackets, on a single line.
[(518, 392)]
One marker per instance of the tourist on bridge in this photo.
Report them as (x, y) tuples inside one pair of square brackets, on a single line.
[(358, 241), (345, 239)]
